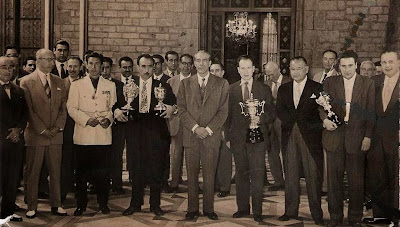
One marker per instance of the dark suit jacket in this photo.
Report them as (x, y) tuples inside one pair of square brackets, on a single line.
[(165, 78), (212, 112), (237, 124), (285, 80), (307, 116), (55, 71), (386, 127), (362, 112)]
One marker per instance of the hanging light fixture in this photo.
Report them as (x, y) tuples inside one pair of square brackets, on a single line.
[(240, 29)]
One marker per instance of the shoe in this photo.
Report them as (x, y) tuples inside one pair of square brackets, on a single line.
[(104, 209), (31, 214), (324, 193), (118, 191), (334, 223), (319, 221), (233, 180), (266, 183), (277, 188), (16, 207), (157, 211), (223, 194), (79, 211), (200, 191), (59, 211), (192, 215), (43, 195), (377, 221), (16, 218), (286, 217), (171, 189), (241, 214), (355, 224), (258, 217), (212, 215), (131, 210)]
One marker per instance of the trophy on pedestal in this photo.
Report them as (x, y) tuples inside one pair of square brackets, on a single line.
[(159, 93), (131, 91), (253, 108)]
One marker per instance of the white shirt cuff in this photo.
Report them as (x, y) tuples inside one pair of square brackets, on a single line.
[(117, 113), (210, 132), (194, 127)]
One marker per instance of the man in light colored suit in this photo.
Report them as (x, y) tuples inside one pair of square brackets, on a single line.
[(175, 126), (46, 96), (328, 61), (203, 107), (172, 59)]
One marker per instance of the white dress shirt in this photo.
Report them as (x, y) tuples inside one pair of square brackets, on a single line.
[(181, 77), (348, 91), (298, 90), (43, 77), (58, 65), (157, 77), (249, 86), (125, 79), (388, 86)]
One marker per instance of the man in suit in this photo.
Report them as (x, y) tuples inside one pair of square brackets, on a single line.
[(175, 125), (346, 144), (148, 137), (13, 120), (90, 103), (61, 51), (28, 66), (382, 160), (203, 108), (328, 61), (11, 51), (301, 139), (158, 68), (275, 80), (367, 68), (249, 157), (46, 97), (224, 167), (172, 59), (73, 66)]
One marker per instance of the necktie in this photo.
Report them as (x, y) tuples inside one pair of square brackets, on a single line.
[(63, 74), (143, 104), (7, 88), (203, 88), (172, 74), (47, 88), (324, 77), (246, 94), (275, 89), (297, 94)]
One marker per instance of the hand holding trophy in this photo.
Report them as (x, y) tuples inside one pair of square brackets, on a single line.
[(253, 108), (159, 93), (131, 91)]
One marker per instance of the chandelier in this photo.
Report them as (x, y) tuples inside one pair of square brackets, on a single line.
[(240, 29)]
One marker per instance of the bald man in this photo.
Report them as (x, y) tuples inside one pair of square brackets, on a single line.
[(367, 68), (275, 80)]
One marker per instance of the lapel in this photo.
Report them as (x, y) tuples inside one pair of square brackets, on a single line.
[(153, 100), (379, 104), (39, 88), (394, 98), (305, 94), (195, 87), (341, 97), (209, 87), (53, 86), (3, 95), (357, 90), (88, 84), (290, 98)]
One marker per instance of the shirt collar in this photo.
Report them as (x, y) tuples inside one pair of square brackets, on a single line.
[(393, 78), (157, 77), (200, 79), (2, 83), (170, 72), (250, 81), (351, 80), (302, 83), (181, 77)]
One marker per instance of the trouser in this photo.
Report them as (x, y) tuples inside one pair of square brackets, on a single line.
[(224, 169), (67, 168), (177, 159)]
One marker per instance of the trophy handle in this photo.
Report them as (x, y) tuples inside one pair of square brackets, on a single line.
[(242, 108), (262, 104)]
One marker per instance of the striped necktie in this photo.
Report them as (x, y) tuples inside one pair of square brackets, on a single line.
[(203, 88), (143, 104), (47, 88)]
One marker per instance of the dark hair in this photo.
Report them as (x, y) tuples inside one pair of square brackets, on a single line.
[(75, 58), (159, 57), (109, 60), (148, 56), (61, 42), (171, 52), (391, 51), (349, 54), (244, 57), (126, 58), (29, 58), (377, 63), (10, 47), (218, 63), (332, 51), (299, 58), (86, 54), (94, 55), (188, 56)]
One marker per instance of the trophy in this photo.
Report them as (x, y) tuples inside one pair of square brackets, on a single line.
[(159, 93), (324, 101), (253, 108), (131, 91)]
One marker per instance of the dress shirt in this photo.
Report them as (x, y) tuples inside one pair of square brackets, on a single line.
[(58, 65), (328, 74), (348, 91), (181, 77), (148, 89), (277, 83), (169, 72), (297, 93), (249, 86), (157, 77), (44, 77), (125, 79), (388, 86), (200, 81), (6, 89)]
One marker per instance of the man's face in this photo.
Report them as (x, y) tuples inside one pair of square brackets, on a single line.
[(328, 59), (145, 68), (61, 53), (172, 62), (106, 71), (378, 70), (272, 73), (73, 67), (217, 70), (16, 65), (12, 53), (348, 67), (30, 66), (246, 69), (186, 65), (126, 68), (45, 62), (94, 67), (390, 64), (298, 70), (157, 66), (202, 62), (367, 69), (6, 69)]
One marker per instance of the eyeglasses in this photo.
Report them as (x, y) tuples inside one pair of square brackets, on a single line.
[(186, 63), (47, 59)]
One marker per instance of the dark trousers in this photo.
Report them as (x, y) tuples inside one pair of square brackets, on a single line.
[(92, 162), (176, 158), (10, 164), (67, 168), (224, 169), (297, 155), (274, 158), (249, 163), (118, 145)]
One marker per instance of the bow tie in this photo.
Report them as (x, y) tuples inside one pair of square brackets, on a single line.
[(7, 86)]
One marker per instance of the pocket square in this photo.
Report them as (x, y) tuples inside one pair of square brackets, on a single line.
[(313, 96), (58, 89)]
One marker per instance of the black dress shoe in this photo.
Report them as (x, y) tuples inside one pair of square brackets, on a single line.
[(319, 221), (286, 217), (131, 210), (200, 191), (43, 195), (54, 211), (192, 215), (258, 217), (16, 218), (104, 209), (241, 214), (223, 194), (377, 221), (355, 224), (16, 207), (276, 188), (157, 211), (211, 215), (79, 211)]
